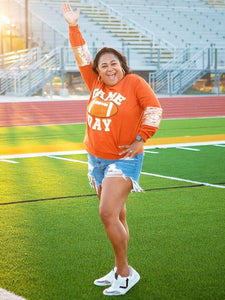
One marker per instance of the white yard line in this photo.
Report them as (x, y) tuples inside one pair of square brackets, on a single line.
[(5, 295), (151, 174), (40, 154), (146, 151), (68, 159), (27, 155), (186, 148), (184, 180), (53, 155), (10, 161), (184, 145)]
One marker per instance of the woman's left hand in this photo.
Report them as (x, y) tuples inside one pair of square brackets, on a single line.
[(70, 16), (132, 149)]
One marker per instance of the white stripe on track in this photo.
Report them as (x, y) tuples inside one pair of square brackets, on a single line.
[(184, 180), (5, 295)]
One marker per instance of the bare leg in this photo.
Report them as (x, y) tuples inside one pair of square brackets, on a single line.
[(123, 212), (123, 220), (112, 210)]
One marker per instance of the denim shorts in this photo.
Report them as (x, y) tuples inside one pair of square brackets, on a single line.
[(99, 168)]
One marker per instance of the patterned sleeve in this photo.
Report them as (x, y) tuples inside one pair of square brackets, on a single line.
[(82, 55), (152, 111)]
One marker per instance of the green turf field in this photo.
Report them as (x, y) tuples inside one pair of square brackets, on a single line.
[(53, 244), (14, 136)]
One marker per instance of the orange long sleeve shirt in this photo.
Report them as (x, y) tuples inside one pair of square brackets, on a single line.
[(115, 114)]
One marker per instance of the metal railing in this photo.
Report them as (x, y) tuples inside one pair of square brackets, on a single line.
[(10, 58), (25, 59), (188, 59), (27, 81), (186, 68), (173, 77), (20, 59)]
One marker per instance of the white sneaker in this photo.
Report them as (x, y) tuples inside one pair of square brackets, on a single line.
[(107, 279), (121, 285)]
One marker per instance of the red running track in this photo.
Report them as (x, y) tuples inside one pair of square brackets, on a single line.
[(67, 112)]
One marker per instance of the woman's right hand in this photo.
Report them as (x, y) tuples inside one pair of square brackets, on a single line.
[(70, 17)]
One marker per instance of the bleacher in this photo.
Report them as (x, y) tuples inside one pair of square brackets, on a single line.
[(179, 22), (152, 34)]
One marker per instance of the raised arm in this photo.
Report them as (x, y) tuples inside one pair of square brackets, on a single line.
[(70, 16), (79, 46)]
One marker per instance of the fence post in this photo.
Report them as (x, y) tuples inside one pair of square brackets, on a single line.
[(180, 80), (208, 67), (217, 75), (43, 84), (94, 49), (212, 54), (128, 56), (169, 82), (62, 64), (151, 80), (215, 59), (217, 83), (203, 59), (51, 85)]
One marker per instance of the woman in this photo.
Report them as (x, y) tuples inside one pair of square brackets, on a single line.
[(123, 112)]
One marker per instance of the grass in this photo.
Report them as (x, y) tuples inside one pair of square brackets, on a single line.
[(54, 249), (74, 133), (207, 165)]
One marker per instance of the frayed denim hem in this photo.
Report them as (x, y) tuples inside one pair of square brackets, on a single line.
[(136, 187)]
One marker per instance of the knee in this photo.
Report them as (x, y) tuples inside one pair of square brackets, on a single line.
[(122, 215), (106, 215)]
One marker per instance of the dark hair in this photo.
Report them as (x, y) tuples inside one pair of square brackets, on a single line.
[(120, 56)]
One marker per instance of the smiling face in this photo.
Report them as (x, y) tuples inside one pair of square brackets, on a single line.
[(110, 69)]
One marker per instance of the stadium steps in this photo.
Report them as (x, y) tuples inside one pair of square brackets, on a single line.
[(129, 36), (175, 20), (50, 31)]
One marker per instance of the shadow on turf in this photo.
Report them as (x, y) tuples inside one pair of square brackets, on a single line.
[(93, 195)]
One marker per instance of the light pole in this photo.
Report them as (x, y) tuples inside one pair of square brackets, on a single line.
[(26, 23), (1, 38), (4, 26)]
